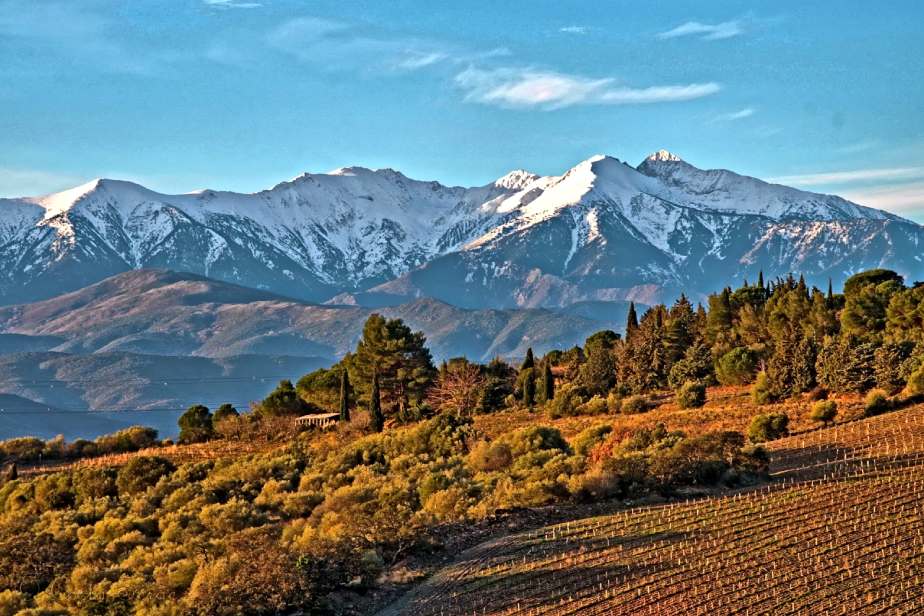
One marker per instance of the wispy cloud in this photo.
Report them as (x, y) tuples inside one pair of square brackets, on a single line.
[(232, 4), (575, 29), (509, 87), (733, 116), (335, 45), (706, 32), (83, 36), (29, 182), (851, 177), (905, 199)]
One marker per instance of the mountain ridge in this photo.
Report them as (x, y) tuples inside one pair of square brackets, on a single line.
[(602, 230)]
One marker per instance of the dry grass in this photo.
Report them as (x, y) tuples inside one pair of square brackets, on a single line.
[(727, 408)]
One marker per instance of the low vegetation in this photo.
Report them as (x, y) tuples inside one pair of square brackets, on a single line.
[(419, 446)]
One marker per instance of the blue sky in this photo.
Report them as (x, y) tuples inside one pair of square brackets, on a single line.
[(241, 94)]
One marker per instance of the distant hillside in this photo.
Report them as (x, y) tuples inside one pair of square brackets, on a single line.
[(65, 386), (159, 312)]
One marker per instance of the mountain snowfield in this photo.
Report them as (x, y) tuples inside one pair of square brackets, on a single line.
[(603, 230)]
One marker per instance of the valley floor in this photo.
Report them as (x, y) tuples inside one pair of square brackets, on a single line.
[(840, 530)]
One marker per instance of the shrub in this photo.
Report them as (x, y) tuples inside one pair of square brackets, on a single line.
[(590, 438), (737, 367), (876, 402), (824, 411), (488, 457), (566, 402), (762, 392), (129, 439), (691, 394), (613, 402), (13, 601), (768, 427), (142, 472), (915, 385), (635, 404), (595, 406)]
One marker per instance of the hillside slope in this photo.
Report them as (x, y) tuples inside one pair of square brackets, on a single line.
[(842, 535)]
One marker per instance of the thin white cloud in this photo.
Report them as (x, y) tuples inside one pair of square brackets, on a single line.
[(853, 176), (733, 116), (905, 199), (334, 45), (706, 32), (232, 4), (31, 182), (575, 29), (525, 88)]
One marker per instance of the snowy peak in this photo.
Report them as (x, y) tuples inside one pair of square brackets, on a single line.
[(663, 156), (518, 179)]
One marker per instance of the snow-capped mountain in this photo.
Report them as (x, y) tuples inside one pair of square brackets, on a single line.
[(603, 230)]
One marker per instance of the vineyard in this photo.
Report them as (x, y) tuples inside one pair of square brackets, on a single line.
[(839, 531)]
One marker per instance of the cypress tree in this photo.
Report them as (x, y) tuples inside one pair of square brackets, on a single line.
[(528, 387), (548, 381), (344, 395), (760, 279), (631, 321), (376, 419), (830, 293), (529, 362)]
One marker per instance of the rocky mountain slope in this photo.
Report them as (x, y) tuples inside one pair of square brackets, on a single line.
[(157, 312), (602, 231)]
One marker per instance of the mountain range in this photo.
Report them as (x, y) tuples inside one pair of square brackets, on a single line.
[(117, 298), (603, 230)]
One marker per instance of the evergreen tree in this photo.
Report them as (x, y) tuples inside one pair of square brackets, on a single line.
[(344, 395), (223, 412), (195, 425), (284, 401), (376, 418), (631, 321), (398, 356), (679, 332), (760, 279), (548, 382), (719, 331), (500, 379), (529, 361), (528, 387)]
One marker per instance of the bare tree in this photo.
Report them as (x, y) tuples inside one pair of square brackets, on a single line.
[(458, 388)]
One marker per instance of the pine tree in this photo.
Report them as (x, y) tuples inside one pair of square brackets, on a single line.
[(399, 356), (344, 395), (196, 425), (376, 419), (678, 334)]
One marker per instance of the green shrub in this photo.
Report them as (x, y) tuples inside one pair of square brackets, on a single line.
[(762, 392), (737, 367), (590, 437), (142, 472), (13, 601), (876, 402), (566, 402), (915, 385), (691, 394), (635, 404), (824, 411), (768, 427), (595, 406), (488, 457)]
